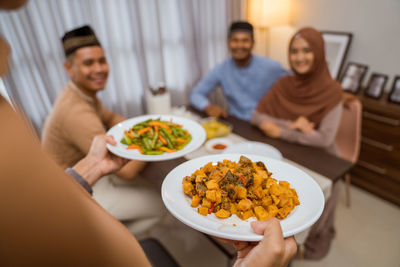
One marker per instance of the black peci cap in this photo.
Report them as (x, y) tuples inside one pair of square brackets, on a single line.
[(77, 38)]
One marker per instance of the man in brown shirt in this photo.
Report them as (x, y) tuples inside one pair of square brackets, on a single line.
[(78, 115)]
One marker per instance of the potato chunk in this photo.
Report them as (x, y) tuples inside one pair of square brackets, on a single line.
[(203, 211), (187, 188), (261, 213), (195, 201), (275, 199), (212, 184), (272, 210), (206, 203), (214, 196), (241, 192), (222, 214), (244, 215), (244, 204)]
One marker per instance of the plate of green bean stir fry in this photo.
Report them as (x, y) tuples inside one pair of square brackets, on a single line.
[(156, 137)]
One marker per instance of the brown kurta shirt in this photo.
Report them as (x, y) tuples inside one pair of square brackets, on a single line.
[(73, 123), (48, 219)]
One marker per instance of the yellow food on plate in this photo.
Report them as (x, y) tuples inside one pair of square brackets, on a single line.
[(244, 188), (215, 129)]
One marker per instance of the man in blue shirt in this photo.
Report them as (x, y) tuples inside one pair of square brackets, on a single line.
[(245, 78)]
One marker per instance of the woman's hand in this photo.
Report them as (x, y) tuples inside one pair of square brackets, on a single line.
[(272, 250), (270, 129), (302, 124), (99, 161)]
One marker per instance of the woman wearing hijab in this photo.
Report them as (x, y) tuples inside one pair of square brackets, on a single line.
[(304, 107)]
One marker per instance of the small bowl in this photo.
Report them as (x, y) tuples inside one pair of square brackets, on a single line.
[(217, 145)]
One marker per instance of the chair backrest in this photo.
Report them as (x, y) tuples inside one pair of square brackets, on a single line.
[(348, 137)]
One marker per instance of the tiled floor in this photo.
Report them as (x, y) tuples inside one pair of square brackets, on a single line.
[(368, 234)]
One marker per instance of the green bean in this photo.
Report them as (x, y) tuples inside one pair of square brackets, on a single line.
[(153, 143), (123, 141), (169, 143), (146, 143), (159, 143), (137, 127), (170, 136)]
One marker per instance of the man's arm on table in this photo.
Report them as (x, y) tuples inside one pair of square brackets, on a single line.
[(199, 95)]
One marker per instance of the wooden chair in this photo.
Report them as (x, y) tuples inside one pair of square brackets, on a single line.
[(348, 137)]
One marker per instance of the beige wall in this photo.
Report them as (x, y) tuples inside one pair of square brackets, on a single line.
[(375, 25)]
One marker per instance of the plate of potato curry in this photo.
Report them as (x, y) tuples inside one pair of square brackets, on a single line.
[(221, 194)]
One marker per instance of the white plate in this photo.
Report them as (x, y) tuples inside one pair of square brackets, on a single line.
[(194, 128), (302, 217), (223, 141), (255, 148)]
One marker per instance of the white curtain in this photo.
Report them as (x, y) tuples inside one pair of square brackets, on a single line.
[(146, 42)]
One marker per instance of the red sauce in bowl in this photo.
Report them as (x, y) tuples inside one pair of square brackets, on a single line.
[(219, 146)]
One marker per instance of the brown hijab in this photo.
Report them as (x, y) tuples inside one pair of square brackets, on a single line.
[(311, 95)]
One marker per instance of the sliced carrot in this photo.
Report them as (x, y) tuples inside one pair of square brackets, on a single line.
[(135, 147), (157, 123), (162, 140), (166, 149), (156, 129), (180, 140), (129, 134), (142, 131)]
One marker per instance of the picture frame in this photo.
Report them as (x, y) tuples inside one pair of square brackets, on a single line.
[(394, 94), (353, 77), (376, 85), (337, 45)]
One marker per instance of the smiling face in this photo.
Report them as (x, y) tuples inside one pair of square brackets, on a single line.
[(301, 56), (87, 67), (240, 44)]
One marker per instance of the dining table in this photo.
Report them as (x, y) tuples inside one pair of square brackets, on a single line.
[(326, 169), (313, 158)]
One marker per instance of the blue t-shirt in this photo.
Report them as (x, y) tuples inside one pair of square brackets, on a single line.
[(243, 86)]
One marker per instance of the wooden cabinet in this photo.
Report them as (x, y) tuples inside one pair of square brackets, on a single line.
[(378, 167)]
